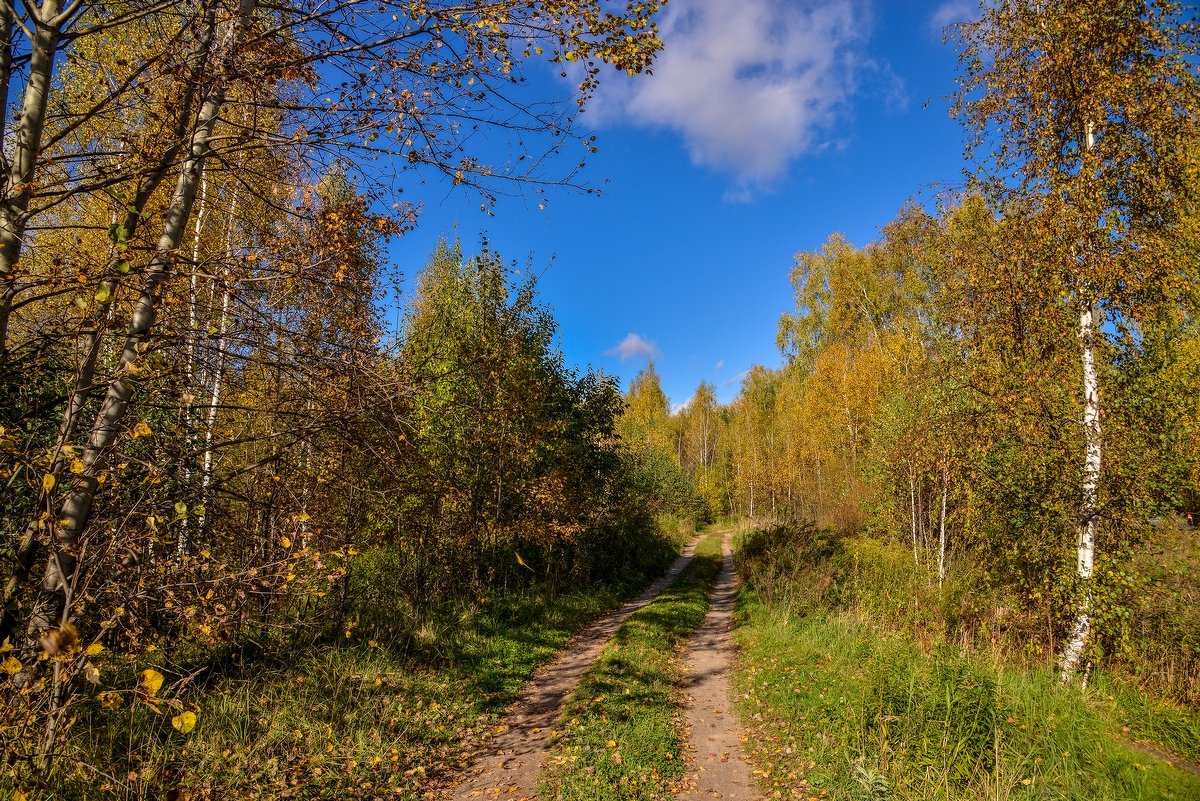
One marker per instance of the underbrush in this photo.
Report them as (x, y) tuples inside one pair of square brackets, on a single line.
[(862, 681), (622, 735), (383, 710)]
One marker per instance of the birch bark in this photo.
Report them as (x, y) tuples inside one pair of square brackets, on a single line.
[(1089, 326), (1088, 511), (76, 509), (16, 189)]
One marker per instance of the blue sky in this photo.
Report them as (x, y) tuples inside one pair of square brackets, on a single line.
[(768, 125)]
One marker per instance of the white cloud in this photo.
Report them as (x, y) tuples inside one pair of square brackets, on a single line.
[(634, 346), (737, 379), (752, 85), (721, 364), (951, 12)]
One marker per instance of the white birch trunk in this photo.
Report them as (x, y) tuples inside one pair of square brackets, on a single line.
[(184, 542), (1088, 512), (210, 421), (110, 421), (1089, 326), (912, 514), (942, 534), (47, 21)]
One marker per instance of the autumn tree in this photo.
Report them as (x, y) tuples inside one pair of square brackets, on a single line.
[(186, 160), (1086, 114)]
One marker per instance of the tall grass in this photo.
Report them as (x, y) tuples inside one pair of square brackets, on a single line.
[(861, 681)]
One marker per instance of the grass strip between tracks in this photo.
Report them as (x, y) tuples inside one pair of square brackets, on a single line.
[(622, 735)]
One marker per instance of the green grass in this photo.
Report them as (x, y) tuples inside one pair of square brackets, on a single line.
[(837, 706), (622, 733), (358, 720)]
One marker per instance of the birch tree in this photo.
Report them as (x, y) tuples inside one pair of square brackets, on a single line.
[(1086, 112)]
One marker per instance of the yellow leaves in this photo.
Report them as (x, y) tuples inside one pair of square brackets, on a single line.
[(48, 482), (109, 699), (152, 681), (94, 649), (285, 542), (140, 429), (11, 665), (91, 673), (184, 722), (77, 466)]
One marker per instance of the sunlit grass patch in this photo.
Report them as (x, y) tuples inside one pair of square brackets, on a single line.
[(361, 720), (837, 705), (621, 735)]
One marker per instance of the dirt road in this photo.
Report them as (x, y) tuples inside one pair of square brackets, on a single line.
[(507, 767)]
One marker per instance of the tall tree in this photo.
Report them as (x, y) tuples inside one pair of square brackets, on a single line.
[(1086, 113)]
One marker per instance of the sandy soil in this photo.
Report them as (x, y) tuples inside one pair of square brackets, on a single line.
[(716, 768)]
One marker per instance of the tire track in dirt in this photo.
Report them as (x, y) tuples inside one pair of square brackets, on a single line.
[(716, 768), (507, 766)]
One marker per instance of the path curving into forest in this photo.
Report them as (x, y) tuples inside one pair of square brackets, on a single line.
[(716, 768), (507, 766)]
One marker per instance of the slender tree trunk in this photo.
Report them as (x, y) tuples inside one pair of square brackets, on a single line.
[(17, 189), (1088, 512), (218, 377), (1089, 327), (942, 533), (210, 421), (912, 513), (192, 377), (110, 422)]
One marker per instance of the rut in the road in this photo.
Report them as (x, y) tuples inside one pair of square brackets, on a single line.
[(508, 767), (716, 768)]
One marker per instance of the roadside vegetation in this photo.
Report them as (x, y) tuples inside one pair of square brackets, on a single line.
[(622, 729), (861, 680), (359, 719)]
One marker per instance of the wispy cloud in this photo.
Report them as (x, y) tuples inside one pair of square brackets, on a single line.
[(634, 346), (753, 85), (721, 364), (952, 12), (737, 379)]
